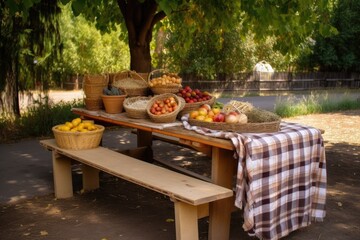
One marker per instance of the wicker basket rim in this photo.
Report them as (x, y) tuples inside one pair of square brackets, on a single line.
[(159, 70), (100, 128), (199, 103), (131, 100), (180, 102), (243, 127)]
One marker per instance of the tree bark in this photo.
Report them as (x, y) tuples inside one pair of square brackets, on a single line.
[(140, 19)]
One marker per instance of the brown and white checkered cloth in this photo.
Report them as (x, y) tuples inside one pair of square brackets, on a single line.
[(281, 178)]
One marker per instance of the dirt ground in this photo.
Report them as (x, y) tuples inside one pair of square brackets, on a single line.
[(120, 210)]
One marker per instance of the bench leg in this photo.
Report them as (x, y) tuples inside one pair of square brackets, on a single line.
[(186, 221), (62, 176), (90, 178)]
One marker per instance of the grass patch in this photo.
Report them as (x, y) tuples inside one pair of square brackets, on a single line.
[(314, 103), (37, 120)]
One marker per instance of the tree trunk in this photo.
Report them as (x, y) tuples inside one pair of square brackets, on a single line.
[(140, 58), (140, 18)]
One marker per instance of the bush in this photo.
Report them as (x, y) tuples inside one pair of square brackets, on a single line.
[(38, 120)]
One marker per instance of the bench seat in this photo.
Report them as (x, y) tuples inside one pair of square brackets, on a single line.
[(186, 192)]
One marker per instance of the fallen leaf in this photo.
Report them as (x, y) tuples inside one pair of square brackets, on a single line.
[(43, 233), (170, 220), (339, 204)]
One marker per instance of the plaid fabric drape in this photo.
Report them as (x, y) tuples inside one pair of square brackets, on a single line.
[(281, 178)]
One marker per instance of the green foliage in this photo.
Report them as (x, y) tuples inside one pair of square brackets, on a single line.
[(30, 44), (38, 120), (288, 24), (206, 59), (339, 52), (314, 103), (87, 50)]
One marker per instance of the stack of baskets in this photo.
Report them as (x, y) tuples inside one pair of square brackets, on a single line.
[(93, 89), (161, 81), (131, 83)]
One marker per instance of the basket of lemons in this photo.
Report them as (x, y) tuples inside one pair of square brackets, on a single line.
[(78, 134)]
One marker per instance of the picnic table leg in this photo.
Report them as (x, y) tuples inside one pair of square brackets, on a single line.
[(90, 178), (144, 138), (186, 221), (62, 176), (220, 211)]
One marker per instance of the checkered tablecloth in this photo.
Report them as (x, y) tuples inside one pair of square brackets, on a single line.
[(281, 178)]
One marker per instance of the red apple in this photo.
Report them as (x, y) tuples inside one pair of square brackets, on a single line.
[(219, 117), (232, 117)]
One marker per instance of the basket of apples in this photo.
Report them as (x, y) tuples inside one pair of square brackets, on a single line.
[(164, 108), (194, 99), (229, 119)]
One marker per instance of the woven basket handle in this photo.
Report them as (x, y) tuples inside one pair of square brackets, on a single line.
[(131, 73), (153, 72)]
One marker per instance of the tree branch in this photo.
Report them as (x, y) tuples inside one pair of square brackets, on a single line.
[(127, 10), (150, 8)]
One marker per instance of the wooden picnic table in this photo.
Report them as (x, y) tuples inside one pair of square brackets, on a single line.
[(278, 174), (223, 164)]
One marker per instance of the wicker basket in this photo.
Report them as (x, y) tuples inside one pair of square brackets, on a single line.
[(101, 79), (168, 88), (168, 117), (135, 107), (131, 83), (194, 106), (78, 140), (94, 84), (93, 104), (237, 127)]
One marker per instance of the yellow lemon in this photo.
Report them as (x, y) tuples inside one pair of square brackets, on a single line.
[(61, 127), (87, 124), (76, 121), (92, 128), (84, 130), (69, 124), (80, 126), (66, 128)]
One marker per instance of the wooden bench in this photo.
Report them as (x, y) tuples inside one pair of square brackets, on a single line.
[(188, 194)]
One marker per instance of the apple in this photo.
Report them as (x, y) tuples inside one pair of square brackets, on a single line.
[(193, 114), (232, 117), (202, 111), (208, 119), (206, 106), (216, 110), (211, 113), (219, 117), (200, 118)]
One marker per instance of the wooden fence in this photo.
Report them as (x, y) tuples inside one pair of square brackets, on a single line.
[(261, 81), (287, 81)]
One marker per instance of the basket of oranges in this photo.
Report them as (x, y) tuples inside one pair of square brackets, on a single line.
[(78, 134), (164, 108), (161, 81)]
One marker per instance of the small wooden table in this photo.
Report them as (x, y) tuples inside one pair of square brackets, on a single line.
[(223, 164)]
